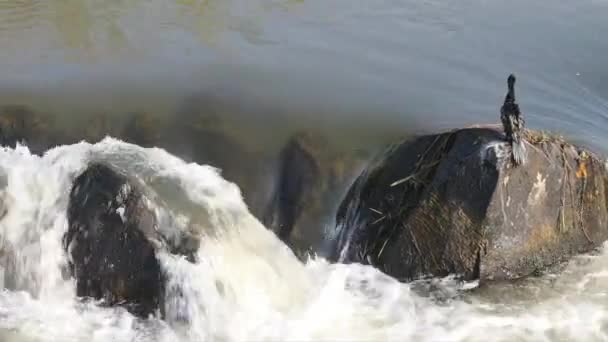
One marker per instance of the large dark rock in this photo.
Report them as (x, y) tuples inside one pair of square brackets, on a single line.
[(454, 203), (112, 241), (308, 182)]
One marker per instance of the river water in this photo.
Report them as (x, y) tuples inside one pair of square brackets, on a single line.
[(360, 72)]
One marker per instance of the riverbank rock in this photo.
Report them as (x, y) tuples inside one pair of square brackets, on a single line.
[(453, 203), (112, 241), (308, 183)]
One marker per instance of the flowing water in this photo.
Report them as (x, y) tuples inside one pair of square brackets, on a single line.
[(360, 72), (247, 285)]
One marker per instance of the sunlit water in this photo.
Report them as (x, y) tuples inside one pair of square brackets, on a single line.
[(358, 71)]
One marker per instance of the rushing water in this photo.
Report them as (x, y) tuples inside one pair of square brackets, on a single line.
[(359, 71), (247, 285)]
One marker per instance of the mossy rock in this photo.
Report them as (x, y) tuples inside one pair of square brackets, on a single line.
[(453, 203)]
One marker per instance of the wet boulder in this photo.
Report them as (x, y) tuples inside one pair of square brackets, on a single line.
[(308, 182), (112, 241), (453, 203)]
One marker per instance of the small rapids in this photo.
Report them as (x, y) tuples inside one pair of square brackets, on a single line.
[(246, 285)]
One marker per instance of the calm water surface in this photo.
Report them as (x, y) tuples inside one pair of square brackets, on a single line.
[(374, 67)]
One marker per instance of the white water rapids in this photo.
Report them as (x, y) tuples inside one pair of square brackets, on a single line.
[(246, 284)]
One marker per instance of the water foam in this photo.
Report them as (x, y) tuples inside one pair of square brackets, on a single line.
[(246, 284)]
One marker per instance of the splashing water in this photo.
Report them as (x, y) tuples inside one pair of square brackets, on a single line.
[(246, 284)]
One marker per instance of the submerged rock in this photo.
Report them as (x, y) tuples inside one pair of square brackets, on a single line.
[(198, 132), (308, 183), (454, 203), (142, 129), (20, 124), (112, 241)]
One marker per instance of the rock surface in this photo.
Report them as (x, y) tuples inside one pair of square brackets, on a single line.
[(453, 203), (112, 241)]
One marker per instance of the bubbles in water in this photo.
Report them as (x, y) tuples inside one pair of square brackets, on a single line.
[(246, 284)]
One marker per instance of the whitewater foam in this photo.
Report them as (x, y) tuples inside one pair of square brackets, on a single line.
[(246, 284)]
